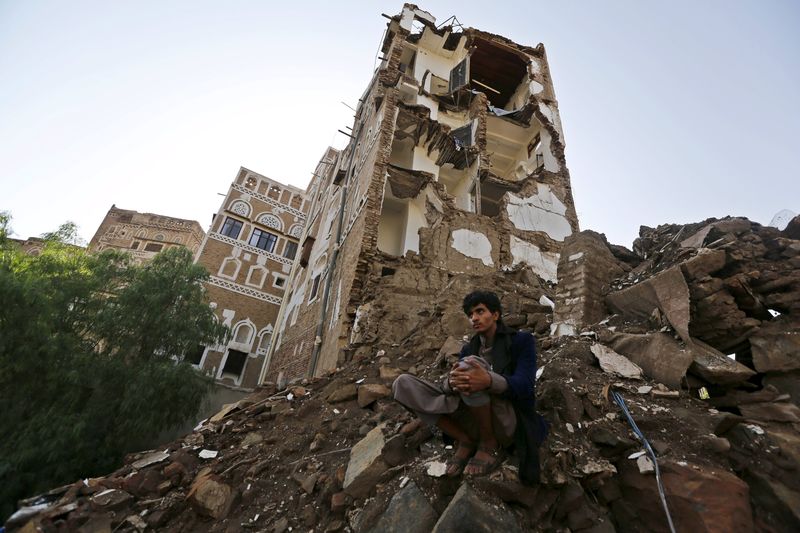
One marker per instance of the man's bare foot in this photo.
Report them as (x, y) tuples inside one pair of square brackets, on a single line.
[(486, 459), (455, 465)]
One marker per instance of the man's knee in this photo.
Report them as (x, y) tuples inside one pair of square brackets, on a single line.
[(476, 399), (401, 384)]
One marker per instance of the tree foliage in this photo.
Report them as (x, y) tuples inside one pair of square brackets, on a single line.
[(90, 351)]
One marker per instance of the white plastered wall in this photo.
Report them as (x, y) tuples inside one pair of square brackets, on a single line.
[(545, 264), (473, 244), (541, 212)]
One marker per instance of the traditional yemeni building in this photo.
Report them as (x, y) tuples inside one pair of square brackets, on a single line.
[(31, 245), (143, 235), (456, 164), (248, 252)]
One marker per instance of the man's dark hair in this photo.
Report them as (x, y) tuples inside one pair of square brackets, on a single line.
[(487, 298)]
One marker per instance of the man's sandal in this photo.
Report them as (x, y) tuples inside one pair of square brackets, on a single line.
[(481, 467), (455, 465)]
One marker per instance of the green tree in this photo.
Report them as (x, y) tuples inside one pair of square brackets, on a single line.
[(90, 351)]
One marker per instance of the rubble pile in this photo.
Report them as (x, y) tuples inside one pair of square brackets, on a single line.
[(336, 453)]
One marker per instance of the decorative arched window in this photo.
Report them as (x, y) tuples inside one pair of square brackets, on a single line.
[(243, 333), (296, 231), (264, 341), (159, 237), (256, 276), (241, 208), (271, 221)]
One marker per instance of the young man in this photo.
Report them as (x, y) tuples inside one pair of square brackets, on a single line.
[(487, 401)]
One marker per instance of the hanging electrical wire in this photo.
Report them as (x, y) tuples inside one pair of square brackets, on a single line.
[(639, 435)]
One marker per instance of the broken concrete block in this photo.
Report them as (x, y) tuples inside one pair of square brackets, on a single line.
[(366, 464), (468, 512), (775, 351), (111, 499), (700, 498), (149, 459), (370, 392), (660, 356), (389, 373), (408, 512), (705, 262), (254, 437), (343, 393), (778, 412), (614, 363), (210, 496)]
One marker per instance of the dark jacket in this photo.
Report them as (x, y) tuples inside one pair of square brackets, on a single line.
[(514, 357)]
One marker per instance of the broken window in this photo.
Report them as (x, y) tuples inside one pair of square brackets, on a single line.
[(459, 76), (231, 228), (194, 357), (290, 250), (496, 70), (153, 247), (314, 288), (263, 240), (234, 364), (263, 344), (308, 244)]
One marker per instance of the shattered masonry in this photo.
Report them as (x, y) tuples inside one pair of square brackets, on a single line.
[(248, 253), (456, 162)]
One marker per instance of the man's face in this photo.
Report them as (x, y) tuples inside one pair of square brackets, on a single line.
[(482, 319)]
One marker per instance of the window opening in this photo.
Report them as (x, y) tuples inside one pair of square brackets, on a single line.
[(153, 247), (314, 287), (234, 364), (290, 250), (196, 355), (232, 227), (135, 245), (263, 240)]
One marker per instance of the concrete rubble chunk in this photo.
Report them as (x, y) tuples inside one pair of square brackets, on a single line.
[(150, 459), (469, 512), (614, 363), (210, 496), (776, 351), (409, 511), (366, 464), (705, 262), (660, 356), (700, 498), (111, 499), (343, 393), (766, 412), (369, 393)]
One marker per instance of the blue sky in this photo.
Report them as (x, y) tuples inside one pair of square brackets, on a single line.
[(672, 111)]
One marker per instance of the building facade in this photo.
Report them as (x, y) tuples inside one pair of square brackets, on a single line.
[(248, 252), (456, 164), (143, 235)]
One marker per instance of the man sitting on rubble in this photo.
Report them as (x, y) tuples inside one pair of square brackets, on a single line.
[(486, 402)]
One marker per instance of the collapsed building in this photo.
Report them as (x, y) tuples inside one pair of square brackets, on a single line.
[(455, 164), (248, 252), (143, 235)]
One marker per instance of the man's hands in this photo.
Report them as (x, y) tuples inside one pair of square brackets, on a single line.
[(467, 376)]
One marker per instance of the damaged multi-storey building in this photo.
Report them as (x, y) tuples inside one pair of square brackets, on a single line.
[(248, 252), (455, 164)]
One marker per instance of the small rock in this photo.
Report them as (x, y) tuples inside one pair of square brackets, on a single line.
[(645, 465), (339, 502), (436, 469), (254, 437), (110, 499), (367, 394), (210, 496), (343, 393), (281, 525), (644, 389)]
